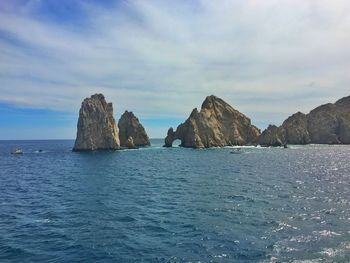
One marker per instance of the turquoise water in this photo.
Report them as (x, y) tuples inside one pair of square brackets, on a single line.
[(174, 205)]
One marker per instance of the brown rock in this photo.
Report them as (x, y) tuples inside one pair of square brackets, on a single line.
[(326, 124), (323, 124), (97, 129), (216, 124), (344, 131), (295, 128), (130, 126), (168, 142), (272, 136), (130, 143)]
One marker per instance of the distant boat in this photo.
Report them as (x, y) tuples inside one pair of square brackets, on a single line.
[(17, 151), (236, 151)]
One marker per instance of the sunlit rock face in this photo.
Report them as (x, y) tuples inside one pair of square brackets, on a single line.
[(131, 132), (217, 124), (97, 128), (326, 124)]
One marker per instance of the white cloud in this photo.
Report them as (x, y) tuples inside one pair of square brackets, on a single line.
[(161, 58)]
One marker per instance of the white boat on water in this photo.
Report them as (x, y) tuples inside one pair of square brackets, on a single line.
[(17, 151), (236, 151)]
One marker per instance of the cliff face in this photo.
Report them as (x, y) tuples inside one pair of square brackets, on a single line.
[(272, 136), (216, 124), (131, 132), (97, 129), (330, 123), (326, 124), (295, 128)]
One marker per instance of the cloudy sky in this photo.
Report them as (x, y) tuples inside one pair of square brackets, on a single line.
[(160, 59)]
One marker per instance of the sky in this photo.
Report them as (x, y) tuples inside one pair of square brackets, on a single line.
[(160, 59)]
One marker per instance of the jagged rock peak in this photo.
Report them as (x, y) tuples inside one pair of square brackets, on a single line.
[(211, 101), (96, 129), (216, 124), (131, 130), (326, 124)]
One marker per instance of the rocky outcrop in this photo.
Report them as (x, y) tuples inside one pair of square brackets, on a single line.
[(131, 132), (97, 129), (295, 129), (326, 124), (292, 131), (129, 143), (216, 124), (272, 136)]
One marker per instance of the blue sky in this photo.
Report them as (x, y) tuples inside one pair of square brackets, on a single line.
[(160, 59)]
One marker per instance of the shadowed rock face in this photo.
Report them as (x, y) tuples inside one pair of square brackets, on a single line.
[(292, 131), (326, 124), (131, 131), (295, 128), (97, 129), (216, 124), (272, 136)]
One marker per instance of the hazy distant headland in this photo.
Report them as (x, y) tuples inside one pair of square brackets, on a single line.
[(217, 124)]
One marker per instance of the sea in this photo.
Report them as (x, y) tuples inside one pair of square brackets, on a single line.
[(160, 204)]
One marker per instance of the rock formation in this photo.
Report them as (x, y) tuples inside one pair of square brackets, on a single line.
[(272, 136), (129, 143), (131, 132), (326, 124), (97, 129), (295, 129), (216, 124), (292, 131)]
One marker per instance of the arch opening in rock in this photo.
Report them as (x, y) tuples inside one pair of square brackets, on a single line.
[(176, 143)]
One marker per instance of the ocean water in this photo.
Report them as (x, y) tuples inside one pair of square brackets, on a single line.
[(174, 205)]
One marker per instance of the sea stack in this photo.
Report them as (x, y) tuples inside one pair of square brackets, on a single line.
[(326, 124), (131, 132), (217, 124), (97, 128)]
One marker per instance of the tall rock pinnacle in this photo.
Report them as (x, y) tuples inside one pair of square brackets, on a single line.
[(130, 127), (97, 129)]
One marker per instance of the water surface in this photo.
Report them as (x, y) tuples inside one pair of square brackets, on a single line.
[(174, 205)]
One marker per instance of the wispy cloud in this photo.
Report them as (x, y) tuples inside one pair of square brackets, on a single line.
[(161, 58)]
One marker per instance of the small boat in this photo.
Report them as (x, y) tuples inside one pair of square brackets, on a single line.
[(236, 151), (17, 151)]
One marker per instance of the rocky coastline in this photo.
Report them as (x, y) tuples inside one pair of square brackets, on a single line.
[(216, 124), (326, 124)]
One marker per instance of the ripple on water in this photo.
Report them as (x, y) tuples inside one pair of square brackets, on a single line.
[(174, 205)]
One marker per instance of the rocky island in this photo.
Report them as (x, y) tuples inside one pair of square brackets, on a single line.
[(97, 128), (131, 132), (217, 124), (326, 124)]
